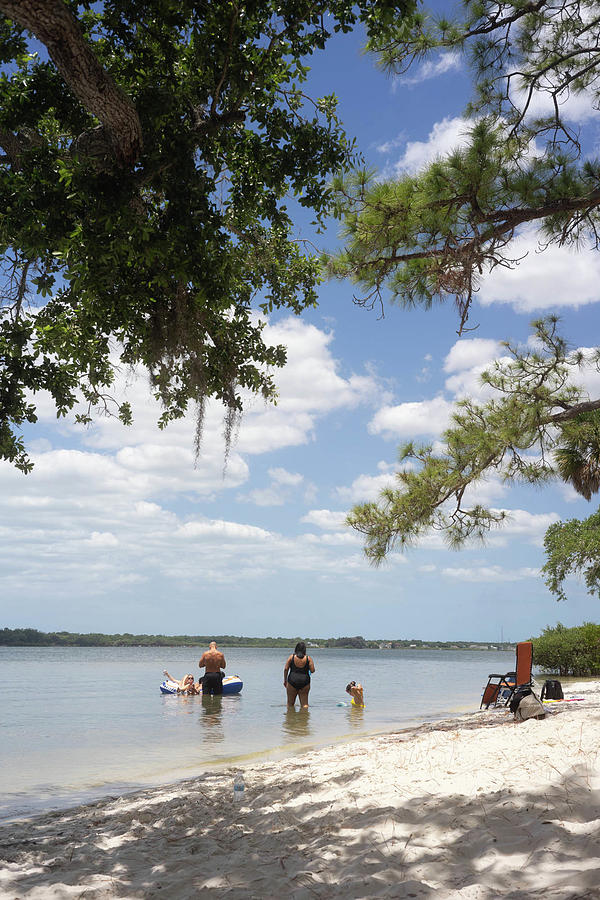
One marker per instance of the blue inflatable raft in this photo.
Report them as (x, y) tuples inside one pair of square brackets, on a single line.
[(232, 684)]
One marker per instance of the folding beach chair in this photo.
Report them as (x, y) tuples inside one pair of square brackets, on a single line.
[(500, 688)]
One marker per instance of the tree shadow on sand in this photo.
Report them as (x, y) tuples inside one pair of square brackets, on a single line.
[(303, 838)]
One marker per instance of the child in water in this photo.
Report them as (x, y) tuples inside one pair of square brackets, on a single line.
[(356, 692)]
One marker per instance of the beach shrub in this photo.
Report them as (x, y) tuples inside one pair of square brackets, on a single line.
[(569, 651)]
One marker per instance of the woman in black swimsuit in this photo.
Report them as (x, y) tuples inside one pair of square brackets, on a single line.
[(296, 675)]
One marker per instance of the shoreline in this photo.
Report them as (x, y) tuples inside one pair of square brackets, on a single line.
[(470, 807), (92, 795)]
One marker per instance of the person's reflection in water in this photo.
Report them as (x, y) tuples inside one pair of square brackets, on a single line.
[(211, 718), (356, 716), (296, 723), (183, 704)]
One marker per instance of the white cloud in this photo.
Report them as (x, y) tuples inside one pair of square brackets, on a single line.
[(270, 496), (274, 429), (39, 445), (391, 145), (531, 526), (548, 279), (103, 539), (490, 573), (468, 384), (575, 107), (485, 491), (339, 539), (113, 513), (310, 386), (467, 359), (227, 530), (311, 380), (432, 68), (520, 521), (147, 510), (444, 137), (131, 578), (326, 519), (84, 519), (283, 477), (310, 493), (279, 491), (568, 493), (588, 376), (465, 354), (426, 417), (365, 488), (145, 464)]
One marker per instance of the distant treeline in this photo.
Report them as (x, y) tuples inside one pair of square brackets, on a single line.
[(31, 637)]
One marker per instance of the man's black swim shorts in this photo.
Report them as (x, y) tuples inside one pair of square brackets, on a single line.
[(212, 683)]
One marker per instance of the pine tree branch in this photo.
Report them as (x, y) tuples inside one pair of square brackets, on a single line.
[(572, 412), (507, 219), (494, 437)]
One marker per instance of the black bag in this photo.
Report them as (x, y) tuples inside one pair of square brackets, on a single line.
[(529, 708), (518, 695), (552, 690)]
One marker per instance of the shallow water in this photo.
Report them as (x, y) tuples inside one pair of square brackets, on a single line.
[(84, 722)]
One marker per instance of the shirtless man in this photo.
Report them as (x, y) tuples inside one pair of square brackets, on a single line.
[(212, 661), (356, 692)]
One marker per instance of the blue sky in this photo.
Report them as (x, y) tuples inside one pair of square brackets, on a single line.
[(116, 529)]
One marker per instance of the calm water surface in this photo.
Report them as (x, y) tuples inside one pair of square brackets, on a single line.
[(84, 722)]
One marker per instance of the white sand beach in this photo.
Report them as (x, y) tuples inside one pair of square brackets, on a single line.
[(476, 807)]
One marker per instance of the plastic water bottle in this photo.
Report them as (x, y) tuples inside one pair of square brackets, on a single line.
[(238, 787)]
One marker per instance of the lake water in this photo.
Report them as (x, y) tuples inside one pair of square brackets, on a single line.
[(85, 722)]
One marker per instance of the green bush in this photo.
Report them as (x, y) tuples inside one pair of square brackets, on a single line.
[(569, 651)]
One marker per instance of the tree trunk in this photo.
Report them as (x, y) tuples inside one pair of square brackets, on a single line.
[(52, 23)]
